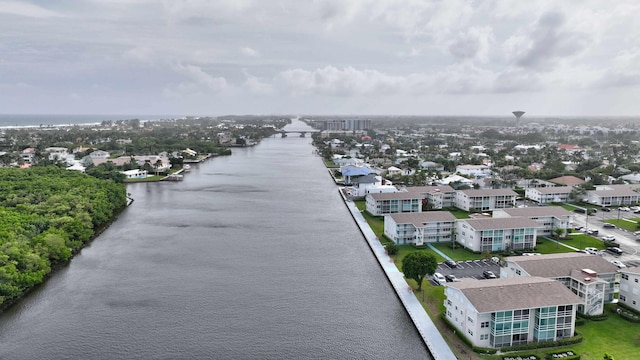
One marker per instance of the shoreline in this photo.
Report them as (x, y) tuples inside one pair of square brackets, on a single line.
[(430, 334)]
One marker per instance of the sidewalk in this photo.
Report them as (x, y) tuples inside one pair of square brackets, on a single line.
[(427, 329)]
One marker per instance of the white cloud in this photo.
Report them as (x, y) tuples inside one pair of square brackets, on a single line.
[(247, 51), (199, 82), (26, 9)]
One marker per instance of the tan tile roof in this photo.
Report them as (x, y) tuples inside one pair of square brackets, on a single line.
[(488, 192), (554, 190), (396, 195), (417, 219), (556, 265), (631, 270), (501, 223), (567, 180), (515, 293), (428, 189), (557, 211)]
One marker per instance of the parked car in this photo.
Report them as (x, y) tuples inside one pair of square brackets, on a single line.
[(624, 208), (608, 226), (583, 251), (495, 260), (619, 264), (634, 208), (450, 263), (488, 274), (439, 279), (609, 238), (605, 209), (614, 250), (591, 250), (592, 231), (451, 278), (579, 210), (531, 254)]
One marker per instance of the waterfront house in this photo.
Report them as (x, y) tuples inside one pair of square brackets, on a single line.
[(506, 312), (496, 234), (418, 228), (473, 170), (549, 218), (593, 278)]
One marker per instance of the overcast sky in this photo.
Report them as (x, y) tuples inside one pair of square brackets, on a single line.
[(201, 57)]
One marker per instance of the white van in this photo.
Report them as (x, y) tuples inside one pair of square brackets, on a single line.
[(439, 279)]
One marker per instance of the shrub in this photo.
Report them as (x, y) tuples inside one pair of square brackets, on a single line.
[(564, 355), (544, 344)]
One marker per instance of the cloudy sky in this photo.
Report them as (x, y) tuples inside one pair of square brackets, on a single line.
[(214, 57)]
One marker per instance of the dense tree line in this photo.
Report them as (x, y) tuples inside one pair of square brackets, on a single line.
[(46, 215)]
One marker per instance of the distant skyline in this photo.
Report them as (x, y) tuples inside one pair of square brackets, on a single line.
[(360, 57)]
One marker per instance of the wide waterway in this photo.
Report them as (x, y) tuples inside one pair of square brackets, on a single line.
[(252, 256)]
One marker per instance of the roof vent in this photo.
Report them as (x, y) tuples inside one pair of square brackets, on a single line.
[(590, 272), (587, 279)]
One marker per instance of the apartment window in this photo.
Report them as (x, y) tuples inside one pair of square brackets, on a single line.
[(448, 302), (623, 298), (484, 324), (484, 336), (634, 302), (636, 280), (625, 276), (518, 272), (469, 319), (470, 332)]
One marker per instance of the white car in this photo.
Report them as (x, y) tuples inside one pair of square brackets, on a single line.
[(619, 264), (609, 238), (439, 279), (624, 208), (591, 250)]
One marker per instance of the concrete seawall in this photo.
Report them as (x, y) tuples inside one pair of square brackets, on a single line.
[(427, 329)]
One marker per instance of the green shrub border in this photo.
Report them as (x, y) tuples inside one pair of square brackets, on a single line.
[(477, 349), (600, 317), (575, 356), (544, 344)]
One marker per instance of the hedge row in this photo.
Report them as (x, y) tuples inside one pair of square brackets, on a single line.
[(600, 317), (544, 344)]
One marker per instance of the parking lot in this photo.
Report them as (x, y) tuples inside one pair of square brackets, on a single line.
[(468, 269)]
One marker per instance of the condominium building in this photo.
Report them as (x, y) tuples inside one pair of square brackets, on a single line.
[(613, 195), (506, 312), (485, 200), (630, 287), (496, 234), (436, 197), (418, 228), (549, 218), (594, 279), (547, 195), (390, 203)]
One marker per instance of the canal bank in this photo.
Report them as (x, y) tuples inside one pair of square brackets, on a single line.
[(423, 323)]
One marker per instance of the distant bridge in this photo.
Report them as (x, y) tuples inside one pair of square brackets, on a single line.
[(303, 133)]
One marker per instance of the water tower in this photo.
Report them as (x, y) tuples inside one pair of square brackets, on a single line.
[(518, 115)]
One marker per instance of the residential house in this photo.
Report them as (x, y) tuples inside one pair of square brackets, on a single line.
[(593, 278), (473, 170), (418, 228), (568, 180), (390, 203), (135, 174), (99, 154), (506, 312), (630, 287), (549, 218), (547, 195), (497, 234), (57, 153), (485, 200), (28, 155), (369, 184), (351, 171)]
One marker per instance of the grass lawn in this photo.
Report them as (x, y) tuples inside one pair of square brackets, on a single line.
[(582, 241), (404, 250), (545, 246), (457, 254), (147, 179), (627, 224), (614, 336), (460, 214), (330, 163)]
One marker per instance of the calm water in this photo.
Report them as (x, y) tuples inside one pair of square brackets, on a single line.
[(252, 256)]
